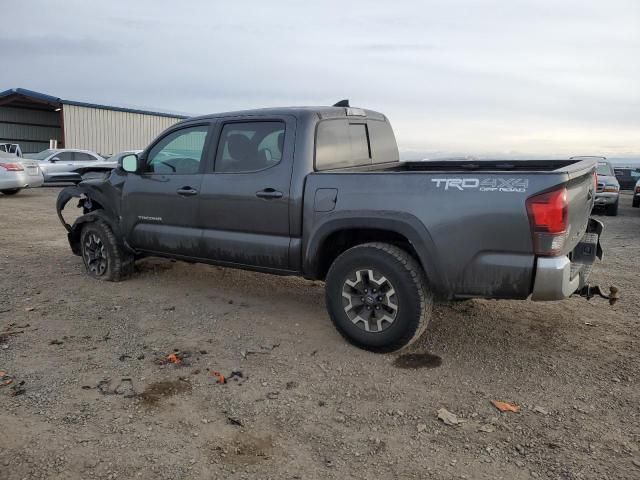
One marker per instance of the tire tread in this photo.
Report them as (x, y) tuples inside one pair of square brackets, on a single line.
[(418, 277), (121, 263)]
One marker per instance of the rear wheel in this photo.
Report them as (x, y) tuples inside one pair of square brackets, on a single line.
[(636, 202), (11, 191), (102, 255), (612, 210), (377, 297)]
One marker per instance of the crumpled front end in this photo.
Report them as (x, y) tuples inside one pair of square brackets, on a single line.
[(84, 202), (98, 199)]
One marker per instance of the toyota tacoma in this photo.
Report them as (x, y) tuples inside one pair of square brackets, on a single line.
[(320, 192)]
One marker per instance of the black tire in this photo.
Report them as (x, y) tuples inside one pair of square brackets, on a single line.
[(612, 210), (11, 191), (102, 255), (405, 277), (636, 202)]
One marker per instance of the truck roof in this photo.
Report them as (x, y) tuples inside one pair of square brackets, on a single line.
[(321, 112)]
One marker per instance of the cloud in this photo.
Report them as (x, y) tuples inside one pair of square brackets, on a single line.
[(49, 45), (452, 75), (395, 47)]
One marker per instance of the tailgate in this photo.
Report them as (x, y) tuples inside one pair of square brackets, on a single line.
[(580, 197)]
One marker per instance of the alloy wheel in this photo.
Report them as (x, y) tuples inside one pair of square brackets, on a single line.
[(369, 300), (95, 254)]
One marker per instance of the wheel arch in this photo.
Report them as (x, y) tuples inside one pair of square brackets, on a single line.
[(336, 234), (91, 217)]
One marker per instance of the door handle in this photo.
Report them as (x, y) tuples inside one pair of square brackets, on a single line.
[(269, 194), (187, 191)]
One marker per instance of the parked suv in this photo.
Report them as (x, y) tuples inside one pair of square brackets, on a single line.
[(12, 148), (627, 177), (608, 188), (320, 192)]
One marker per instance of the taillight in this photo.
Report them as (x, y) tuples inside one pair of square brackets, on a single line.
[(548, 219), (638, 189), (12, 167)]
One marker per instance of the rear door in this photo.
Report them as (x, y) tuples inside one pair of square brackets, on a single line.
[(244, 204), (160, 204)]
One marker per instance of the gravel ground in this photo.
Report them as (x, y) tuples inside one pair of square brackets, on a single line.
[(96, 401)]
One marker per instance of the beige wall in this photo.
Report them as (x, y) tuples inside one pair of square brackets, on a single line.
[(109, 131)]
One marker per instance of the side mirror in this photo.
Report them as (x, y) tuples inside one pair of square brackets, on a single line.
[(54, 160), (129, 163)]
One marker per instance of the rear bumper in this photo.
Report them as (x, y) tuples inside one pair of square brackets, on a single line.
[(557, 278), (606, 198), (553, 279), (20, 180)]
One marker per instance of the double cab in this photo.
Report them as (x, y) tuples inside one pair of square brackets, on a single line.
[(320, 192)]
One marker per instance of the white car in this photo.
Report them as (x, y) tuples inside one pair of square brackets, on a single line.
[(636, 195), (17, 173), (64, 165)]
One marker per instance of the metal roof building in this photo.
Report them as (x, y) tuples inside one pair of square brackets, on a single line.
[(32, 119)]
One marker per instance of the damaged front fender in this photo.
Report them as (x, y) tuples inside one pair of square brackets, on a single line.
[(91, 210), (63, 198)]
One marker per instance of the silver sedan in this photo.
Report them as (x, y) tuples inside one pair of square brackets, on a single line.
[(18, 173), (63, 165)]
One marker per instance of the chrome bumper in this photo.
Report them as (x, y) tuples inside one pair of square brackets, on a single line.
[(606, 198), (553, 279), (560, 277)]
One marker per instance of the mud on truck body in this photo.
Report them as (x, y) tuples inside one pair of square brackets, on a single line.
[(320, 192)]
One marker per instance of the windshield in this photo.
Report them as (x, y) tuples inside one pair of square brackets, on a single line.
[(42, 155), (604, 169)]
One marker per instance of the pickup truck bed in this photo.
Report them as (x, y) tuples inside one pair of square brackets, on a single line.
[(320, 192), (467, 219)]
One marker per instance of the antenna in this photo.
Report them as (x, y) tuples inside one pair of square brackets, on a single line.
[(342, 103)]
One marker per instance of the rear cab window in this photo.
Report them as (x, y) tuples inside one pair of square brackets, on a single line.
[(344, 143)]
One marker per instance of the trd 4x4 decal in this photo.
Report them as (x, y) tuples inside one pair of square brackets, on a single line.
[(489, 184)]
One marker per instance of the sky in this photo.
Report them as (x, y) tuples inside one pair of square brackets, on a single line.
[(455, 77)]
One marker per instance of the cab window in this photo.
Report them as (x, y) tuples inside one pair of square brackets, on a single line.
[(180, 152), (340, 144), (249, 146)]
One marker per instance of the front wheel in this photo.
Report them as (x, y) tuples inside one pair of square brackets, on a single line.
[(102, 255), (11, 191), (377, 297)]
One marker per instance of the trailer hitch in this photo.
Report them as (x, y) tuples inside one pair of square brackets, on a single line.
[(590, 291)]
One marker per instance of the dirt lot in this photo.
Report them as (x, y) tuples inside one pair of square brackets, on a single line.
[(307, 405)]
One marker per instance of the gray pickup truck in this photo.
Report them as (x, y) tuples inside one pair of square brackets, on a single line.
[(320, 192)]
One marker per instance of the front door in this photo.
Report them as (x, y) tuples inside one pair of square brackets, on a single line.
[(160, 204), (61, 162), (244, 201)]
